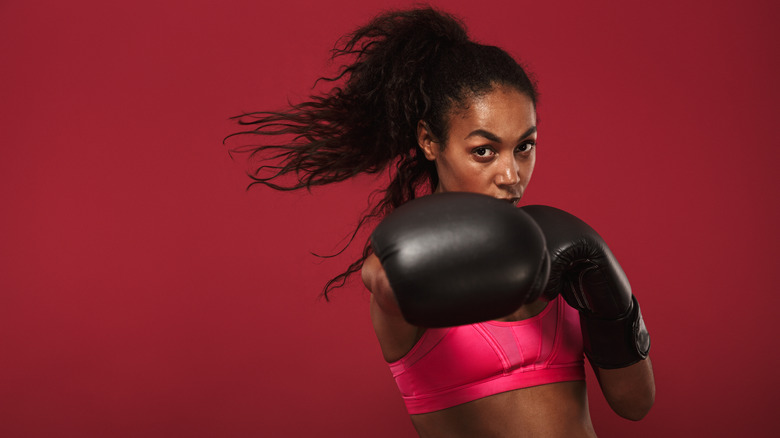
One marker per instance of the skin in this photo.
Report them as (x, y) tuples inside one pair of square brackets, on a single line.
[(491, 149)]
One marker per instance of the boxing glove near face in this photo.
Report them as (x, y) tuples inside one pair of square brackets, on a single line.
[(459, 258), (585, 272)]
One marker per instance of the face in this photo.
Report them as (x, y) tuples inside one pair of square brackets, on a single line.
[(491, 146)]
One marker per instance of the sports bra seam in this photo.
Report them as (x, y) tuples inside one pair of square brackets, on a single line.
[(489, 379), (498, 349), (409, 359), (557, 338)]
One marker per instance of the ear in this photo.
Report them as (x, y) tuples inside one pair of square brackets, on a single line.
[(427, 141)]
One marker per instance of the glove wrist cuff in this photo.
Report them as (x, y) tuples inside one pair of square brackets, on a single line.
[(616, 343)]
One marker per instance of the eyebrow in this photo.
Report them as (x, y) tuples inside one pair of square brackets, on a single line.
[(493, 137)]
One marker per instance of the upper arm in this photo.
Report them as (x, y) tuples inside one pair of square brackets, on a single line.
[(396, 336), (630, 391)]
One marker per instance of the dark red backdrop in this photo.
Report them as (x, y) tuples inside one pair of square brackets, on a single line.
[(144, 293)]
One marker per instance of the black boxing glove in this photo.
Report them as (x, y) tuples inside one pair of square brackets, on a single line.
[(584, 271), (460, 258)]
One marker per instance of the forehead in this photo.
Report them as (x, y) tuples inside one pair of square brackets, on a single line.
[(503, 110)]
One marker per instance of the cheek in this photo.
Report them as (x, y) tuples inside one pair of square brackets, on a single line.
[(460, 169), (530, 168), (477, 175)]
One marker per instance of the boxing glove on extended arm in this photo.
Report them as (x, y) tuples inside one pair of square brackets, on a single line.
[(459, 258), (584, 271)]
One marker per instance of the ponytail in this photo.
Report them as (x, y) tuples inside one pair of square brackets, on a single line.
[(400, 68)]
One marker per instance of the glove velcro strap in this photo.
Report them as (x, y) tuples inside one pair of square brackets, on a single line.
[(616, 343)]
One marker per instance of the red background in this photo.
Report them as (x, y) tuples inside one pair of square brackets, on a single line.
[(145, 293)]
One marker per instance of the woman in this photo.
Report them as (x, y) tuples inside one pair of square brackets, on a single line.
[(445, 114)]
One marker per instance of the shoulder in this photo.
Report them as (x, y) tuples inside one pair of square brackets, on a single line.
[(396, 336)]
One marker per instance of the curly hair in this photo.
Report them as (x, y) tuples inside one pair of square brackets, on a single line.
[(401, 68)]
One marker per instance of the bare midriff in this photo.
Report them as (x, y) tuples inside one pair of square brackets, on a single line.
[(553, 410)]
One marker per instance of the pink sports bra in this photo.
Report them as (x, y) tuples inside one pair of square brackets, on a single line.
[(455, 365)]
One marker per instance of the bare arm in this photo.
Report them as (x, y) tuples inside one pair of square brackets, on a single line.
[(630, 391), (396, 336)]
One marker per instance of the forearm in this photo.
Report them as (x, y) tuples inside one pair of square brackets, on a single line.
[(630, 391)]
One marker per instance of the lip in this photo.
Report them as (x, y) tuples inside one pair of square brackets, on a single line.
[(513, 201)]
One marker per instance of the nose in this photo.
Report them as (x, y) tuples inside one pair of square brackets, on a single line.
[(508, 172)]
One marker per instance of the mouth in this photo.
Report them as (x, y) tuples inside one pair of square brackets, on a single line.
[(513, 201)]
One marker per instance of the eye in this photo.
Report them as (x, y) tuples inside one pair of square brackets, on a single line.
[(526, 146), (483, 152)]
